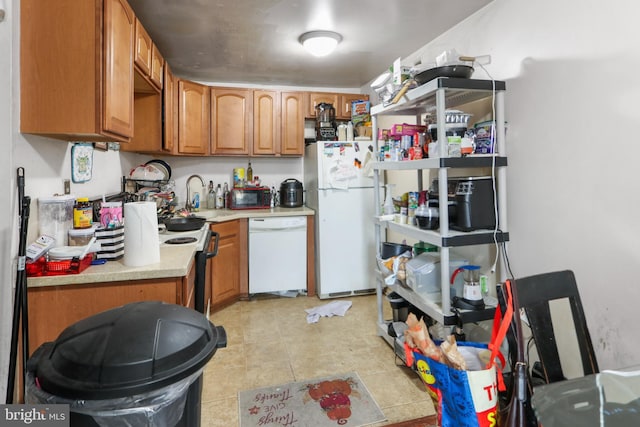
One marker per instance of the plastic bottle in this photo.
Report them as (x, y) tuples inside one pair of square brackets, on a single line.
[(349, 131), (196, 202), (82, 213), (388, 202), (342, 132), (219, 198), (249, 174), (211, 197)]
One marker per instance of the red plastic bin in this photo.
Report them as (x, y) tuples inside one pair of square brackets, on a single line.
[(42, 267)]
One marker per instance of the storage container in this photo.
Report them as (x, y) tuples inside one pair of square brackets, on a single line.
[(423, 274), (55, 217), (80, 236)]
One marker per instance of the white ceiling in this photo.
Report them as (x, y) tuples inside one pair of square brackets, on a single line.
[(256, 41)]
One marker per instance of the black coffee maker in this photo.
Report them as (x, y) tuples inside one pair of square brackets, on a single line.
[(325, 122)]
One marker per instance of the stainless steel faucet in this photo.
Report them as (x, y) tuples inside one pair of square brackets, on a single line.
[(188, 205)]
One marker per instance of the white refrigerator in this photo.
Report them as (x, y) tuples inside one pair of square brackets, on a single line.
[(338, 183)]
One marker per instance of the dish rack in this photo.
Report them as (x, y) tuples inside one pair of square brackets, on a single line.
[(43, 267)]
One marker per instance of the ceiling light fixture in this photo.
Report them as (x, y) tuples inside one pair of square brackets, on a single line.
[(320, 43)]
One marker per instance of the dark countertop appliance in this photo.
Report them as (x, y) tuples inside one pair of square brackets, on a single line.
[(471, 202), (291, 192), (249, 198)]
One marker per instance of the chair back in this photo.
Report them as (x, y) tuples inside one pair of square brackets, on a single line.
[(535, 293)]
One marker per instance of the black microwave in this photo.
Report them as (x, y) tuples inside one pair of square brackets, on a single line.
[(249, 198)]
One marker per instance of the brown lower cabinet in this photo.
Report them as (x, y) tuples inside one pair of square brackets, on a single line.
[(53, 308), (228, 273)]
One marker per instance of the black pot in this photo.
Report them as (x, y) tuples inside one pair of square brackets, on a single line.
[(189, 223), (291, 193)]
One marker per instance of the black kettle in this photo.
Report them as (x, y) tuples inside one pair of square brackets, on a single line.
[(291, 193)]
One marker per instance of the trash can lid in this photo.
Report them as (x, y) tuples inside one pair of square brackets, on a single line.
[(126, 351)]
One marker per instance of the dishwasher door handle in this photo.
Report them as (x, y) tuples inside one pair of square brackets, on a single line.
[(276, 229), (213, 253)]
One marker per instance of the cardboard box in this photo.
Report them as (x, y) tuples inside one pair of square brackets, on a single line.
[(406, 129), (360, 113)]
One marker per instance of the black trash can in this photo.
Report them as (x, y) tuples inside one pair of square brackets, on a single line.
[(139, 364)]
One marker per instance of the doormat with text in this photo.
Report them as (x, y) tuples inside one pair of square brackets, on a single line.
[(340, 400)]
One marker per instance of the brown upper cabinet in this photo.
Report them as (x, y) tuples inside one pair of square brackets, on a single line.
[(340, 101), (316, 98), (344, 109), (193, 118), (144, 48), (170, 111), (76, 77), (292, 116), (157, 67), (266, 122), (231, 120), (148, 62)]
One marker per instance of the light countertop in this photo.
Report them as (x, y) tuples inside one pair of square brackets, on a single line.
[(221, 215), (175, 260)]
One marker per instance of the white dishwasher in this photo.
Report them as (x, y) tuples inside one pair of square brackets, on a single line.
[(277, 254)]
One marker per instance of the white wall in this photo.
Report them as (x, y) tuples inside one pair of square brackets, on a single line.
[(572, 89)]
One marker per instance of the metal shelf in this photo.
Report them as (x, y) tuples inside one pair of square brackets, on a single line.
[(434, 310), (471, 161), (452, 239), (423, 98), (438, 95)]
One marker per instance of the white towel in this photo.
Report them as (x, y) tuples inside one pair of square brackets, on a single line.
[(335, 308)]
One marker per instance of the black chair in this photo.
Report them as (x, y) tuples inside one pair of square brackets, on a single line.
[(534, 295)]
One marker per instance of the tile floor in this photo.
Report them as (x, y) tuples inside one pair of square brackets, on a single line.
[(270, 342)]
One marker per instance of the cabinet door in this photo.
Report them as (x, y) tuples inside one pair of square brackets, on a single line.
[(225, 268), (53, 308), (157, 67), (143, 50), (119, 24), (189, 288), (231, 120), (193, 118), (292, 114), (316, 98), (170, 112), (344, 111), (266, 122)]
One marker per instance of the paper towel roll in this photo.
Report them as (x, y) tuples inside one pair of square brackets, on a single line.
[(141, 241)]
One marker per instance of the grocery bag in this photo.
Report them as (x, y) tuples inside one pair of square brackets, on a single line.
[(463, 398)]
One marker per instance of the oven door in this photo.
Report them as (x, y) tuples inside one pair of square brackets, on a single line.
[(201, 269)]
